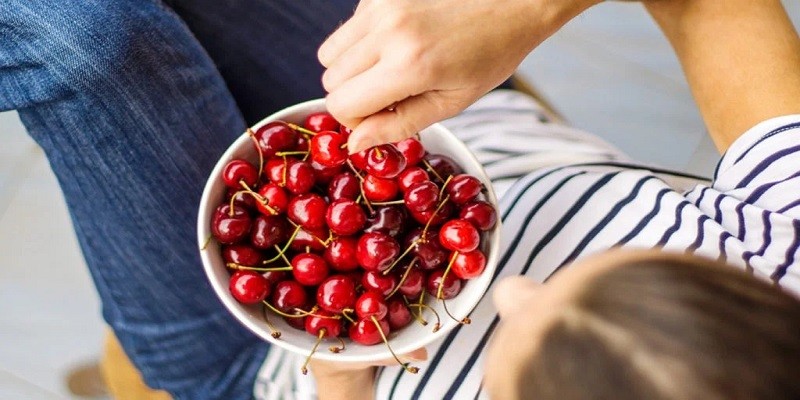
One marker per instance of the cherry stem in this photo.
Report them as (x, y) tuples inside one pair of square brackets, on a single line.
[(438, 208), (430, 169), (320, 335), (444, 185), (378, 154), (444, 275), (418, 315), (283, 173), (260, 269), (361, 186), (301, 129), (389, 203), (346, 313), (282, 251), (339, 349), (258, 198), (405, 366), (290, 153), (463, 321), (403, 278), (273, 331), (436, 314), (260, 152), (397, 261), (207, 242)]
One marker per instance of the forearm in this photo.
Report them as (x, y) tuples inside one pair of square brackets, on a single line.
[(333, 384), (741, 58)]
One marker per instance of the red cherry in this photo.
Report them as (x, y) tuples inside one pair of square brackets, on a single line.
[(463, 188), (399, 314), (412, 150), (410, 176), (345, 217), (422, 196), (479, 213), (459, 235), (229, 229), (311, 238), (241, 254), (379, 189), (336, 293), (376, 251), (299, 177), (385, 161), (321, 121), (378, 282), (323, 174), (341, 253), (469, 265), (450, 289), (274, 137), (390, 220), (308, 210), (298, 323), (309, 269), (302, 143), (268, 230), (273, 277), (276, 197), (273, 169), (413, 284), (443, 165), (344, 186), (345, 130), (289, 295), (436, 217), (366, 332), (371, 304), (324, 320), (248, 287), (429, 252), (239, 170), (242, 199), (327, 148)]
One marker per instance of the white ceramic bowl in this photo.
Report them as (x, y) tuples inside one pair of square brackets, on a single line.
[(436, 139)]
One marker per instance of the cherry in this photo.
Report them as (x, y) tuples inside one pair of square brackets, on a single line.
[(324, 320), (376, 281), (309, 269), (450, 289), (327, 148), (376, 251), (229, 229), (341, 253), (412, 150), (469, 265), (359, 159), (298, 323), (429, 252), (399, 316), (299, 177), (436, 217), (336, 293), (273, 168), (302, 143), (276, 198), (239, 170), (412, 286), (248, 287), (459, 235), (240, 199), (344, 186), (289, 295), (274, 137), (391, 220), (443, 165), (345, 217), (323, 174), (273, 277), (308, 210), (410, 176), (366, 332), (370, 304), (378, 189), (268, 231), (463, 188), (385, 161), (321, 121), (311, 238), (479, 213), (241, 254), (422, 196)]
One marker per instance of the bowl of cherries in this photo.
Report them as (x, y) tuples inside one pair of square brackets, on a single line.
[(349, 257)]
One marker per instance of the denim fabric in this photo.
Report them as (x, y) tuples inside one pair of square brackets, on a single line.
[(133, 101)]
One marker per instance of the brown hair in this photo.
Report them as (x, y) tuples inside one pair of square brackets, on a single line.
[(670, 327)]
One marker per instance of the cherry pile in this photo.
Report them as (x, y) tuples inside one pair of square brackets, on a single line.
[(346, 245)]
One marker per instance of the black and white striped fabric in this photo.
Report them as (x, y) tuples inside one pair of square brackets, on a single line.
[(566, 194)]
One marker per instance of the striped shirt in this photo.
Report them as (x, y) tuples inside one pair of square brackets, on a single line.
[(566, 194)]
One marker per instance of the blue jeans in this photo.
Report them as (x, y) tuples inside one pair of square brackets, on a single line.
[(133, 101)]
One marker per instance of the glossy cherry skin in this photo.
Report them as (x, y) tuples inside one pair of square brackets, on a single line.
[(344, 186), (268, 231), (412, 150), (371, 304), (241, 199), (469, 265), (436, 217), (327, 148), (323, 174), (429, 252), (298, 323), (276, 198), (345, 130), (459, 235), (410, 176), (229, 229), (311, 238), (443, 165), (366, 332), (376, 251), (274, 137), (399, 316), (239, 170), (463, 188), (479, 213), (302, 143), (309, 269), (299, 177), (336, 293), (273, 277), (359, 160), (390, 220), (308, 210), (345, 217), (378, 189), (321, 121), (385, 161), (412, 286), (322, 321), (248, 287), (450, 289), (288, 295), (273, 169), (242, 254), (378, 282), (341, 253), (422, 196)]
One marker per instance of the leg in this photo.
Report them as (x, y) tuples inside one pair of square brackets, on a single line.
[(132, 115)]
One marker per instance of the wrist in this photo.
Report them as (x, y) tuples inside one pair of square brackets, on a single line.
[(336, 383)]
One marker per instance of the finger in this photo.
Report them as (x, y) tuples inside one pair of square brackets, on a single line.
[(355, 60), (343, 38)]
